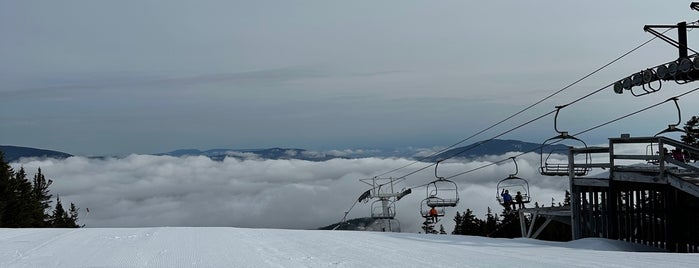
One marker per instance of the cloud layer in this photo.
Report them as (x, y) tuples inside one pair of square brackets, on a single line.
[(146, 190)]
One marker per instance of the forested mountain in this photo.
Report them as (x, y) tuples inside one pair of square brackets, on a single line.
[(495, 147), (14, 153)]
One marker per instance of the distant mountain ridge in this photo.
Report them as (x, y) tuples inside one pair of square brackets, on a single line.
[(478, 149), (270, 153), (495, 147), (14, 153)]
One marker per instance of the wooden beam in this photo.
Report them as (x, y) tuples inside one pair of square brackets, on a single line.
[(543, 226), (591, 182)]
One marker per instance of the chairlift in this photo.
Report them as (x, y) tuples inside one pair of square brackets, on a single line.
[(427, 204), (652, 150), (441, 192), (513, 185), (383, 209), (385, 196), (673, 127), (552, 167)]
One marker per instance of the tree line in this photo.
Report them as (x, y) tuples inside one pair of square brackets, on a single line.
[(507, 224), (26, 203)]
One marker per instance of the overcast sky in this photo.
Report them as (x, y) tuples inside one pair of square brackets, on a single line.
[(120, 77)]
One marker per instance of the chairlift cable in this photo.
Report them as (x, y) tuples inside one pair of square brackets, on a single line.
[(344, 218), (503, 133), (576, 134), (539, 147), (504, 120), (636, 112), (581, 132), (480, 143), (523, 110)]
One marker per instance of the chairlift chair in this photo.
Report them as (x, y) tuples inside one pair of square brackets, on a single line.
[(425, 207), (442, 192), (652, 149), (673, 127), (551, 167), (513, 184), (383, 209)]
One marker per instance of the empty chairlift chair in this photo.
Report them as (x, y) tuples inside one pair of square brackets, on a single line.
[(442, 192), (553, 165), (383, 209), (673, 127)]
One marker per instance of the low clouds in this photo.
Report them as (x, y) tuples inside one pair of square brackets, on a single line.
[(147, 190)]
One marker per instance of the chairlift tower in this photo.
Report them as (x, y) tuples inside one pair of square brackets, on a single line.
[(654, 204), (683, 70), (383, 209)]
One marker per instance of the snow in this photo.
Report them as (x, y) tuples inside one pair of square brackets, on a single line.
[(240, 247)]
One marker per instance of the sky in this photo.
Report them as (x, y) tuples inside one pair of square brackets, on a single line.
[(236, 247), (115, 78)]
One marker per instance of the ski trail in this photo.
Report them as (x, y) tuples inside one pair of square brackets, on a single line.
[(55, 234), (237, 247)]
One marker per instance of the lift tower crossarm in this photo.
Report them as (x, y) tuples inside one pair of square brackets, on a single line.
[(682, 70), (681, 42)]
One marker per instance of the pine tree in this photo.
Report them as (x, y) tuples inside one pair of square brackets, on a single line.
[(458, 226), (471, 224), (58, 214), (41, 194), (62, 218), (691, 136), (491, 222), (24, 203), (5, 175), (441, 229), (508, 227), (73, 213), (20, 210)]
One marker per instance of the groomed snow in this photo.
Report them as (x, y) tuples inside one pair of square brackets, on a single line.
[(237, 247)]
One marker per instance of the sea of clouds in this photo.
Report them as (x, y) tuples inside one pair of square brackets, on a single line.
[(148, 190)]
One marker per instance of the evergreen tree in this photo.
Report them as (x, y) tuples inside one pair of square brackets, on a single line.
[(691, 136), (5, 175), (24, 203), (470, 224), (41, 193), (62, 218), (458, 226), (509, 226), (428, 228), (20, 210), (491, 222), (58, 219), (441, 229), (73, 215)]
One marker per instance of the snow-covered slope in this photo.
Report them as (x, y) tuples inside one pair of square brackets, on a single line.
[(237, 247)]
